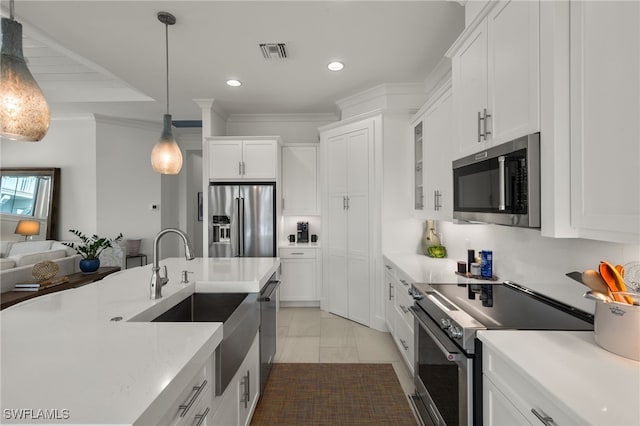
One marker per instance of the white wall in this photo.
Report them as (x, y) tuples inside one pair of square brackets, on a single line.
[(71, 145), (540, 263), (127, 185), (292, 128)]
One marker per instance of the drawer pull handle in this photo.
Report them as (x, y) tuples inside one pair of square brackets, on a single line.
[(546, 420), (201, 417), (297, 253), (186, 407), (404, 282), (404, 309)]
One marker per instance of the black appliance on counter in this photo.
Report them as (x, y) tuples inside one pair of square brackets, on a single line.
[(448, 356), (303, 232)]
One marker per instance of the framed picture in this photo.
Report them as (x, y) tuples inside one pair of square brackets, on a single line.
[(199, 206)]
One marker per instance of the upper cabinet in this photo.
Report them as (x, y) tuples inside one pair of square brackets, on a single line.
[(243, 159), (496, 80), (605, 119), (300, 180), (433, 140)]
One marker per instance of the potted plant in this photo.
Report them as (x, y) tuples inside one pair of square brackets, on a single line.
[(90, 249)]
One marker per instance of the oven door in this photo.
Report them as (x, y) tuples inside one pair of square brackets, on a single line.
[(442, 375)]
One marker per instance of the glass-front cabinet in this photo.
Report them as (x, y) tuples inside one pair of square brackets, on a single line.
[(418, 167)]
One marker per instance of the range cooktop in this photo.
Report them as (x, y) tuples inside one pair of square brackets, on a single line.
[(511, 306)]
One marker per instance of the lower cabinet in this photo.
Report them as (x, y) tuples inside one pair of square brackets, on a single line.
[(510, 399), (299, 276), (390, 294), (195, 405), (239, 400), (399, 318), (498, 410)]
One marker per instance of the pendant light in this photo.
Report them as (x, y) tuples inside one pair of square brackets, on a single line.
[(24, 113), (166, 157)]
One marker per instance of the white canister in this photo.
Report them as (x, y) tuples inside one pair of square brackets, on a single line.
[(617, 327)]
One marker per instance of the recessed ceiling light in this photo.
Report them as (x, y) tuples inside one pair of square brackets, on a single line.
[(234, 83), (335, 66)]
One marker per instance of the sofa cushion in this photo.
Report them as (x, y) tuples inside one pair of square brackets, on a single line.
[(22, 247), (57, 245), (33, 258), (5, 246), (7, 264)]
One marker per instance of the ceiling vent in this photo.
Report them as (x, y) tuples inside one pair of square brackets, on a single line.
[(273, 50)]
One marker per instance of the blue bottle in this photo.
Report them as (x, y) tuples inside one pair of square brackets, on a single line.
[(486, 263)]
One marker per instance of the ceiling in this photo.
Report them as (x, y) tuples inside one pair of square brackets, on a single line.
[(108, 57)]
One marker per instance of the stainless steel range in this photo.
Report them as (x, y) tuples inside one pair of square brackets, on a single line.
[(448, 357)]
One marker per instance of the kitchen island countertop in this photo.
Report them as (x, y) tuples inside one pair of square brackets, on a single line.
[(62, 352)]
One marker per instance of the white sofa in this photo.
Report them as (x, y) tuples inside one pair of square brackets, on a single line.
[(17, 260)]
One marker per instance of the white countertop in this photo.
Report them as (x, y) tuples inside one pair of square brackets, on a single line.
[(596, 386), (424, 269), (61, 351)]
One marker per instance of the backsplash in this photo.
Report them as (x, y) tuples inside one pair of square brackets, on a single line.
[(523, 256)]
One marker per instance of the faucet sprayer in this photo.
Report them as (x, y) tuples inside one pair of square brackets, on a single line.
[(157, 280)]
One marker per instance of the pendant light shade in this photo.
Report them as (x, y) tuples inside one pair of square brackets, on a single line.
[(24, 113), (166, 156)]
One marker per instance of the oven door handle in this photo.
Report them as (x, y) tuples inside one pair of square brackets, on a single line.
[(449, 355)]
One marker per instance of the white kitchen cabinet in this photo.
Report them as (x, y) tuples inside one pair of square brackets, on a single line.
[(418, 168), (299, 276), (497, 409), (195, 404), (300, 180), (496, 79), (511, 393), (390, 294), (234, 159), (438, 128), (239, 400), (348, 162), (399, 318), (605, 120)]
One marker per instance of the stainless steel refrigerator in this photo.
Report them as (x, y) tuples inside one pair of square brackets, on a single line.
[(242, 220)]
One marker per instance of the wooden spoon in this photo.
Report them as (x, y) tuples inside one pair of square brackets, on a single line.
[(614, 281), (594, 281)]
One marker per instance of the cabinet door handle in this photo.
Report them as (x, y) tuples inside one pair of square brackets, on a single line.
[(246, 380), (404, 282), (186, 407), (486, 127), (344, 203), (201, 417), (390, 291), (480, 127), (404, 309), (546, 420), (404, 344), (240, 168), (347, 203)]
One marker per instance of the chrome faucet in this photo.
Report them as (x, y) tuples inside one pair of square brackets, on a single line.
[(157, 280)]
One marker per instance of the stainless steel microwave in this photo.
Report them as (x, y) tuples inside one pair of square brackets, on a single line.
[(500, 185)]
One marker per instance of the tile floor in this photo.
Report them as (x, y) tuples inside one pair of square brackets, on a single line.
[(311, 335)]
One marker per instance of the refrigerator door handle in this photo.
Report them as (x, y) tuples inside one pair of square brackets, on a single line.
[(241, 229)]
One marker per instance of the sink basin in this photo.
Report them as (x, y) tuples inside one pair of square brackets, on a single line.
[(203, 307), (240, 315)]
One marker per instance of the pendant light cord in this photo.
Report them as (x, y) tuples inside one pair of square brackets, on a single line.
[(166, 29), (11, 10)]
